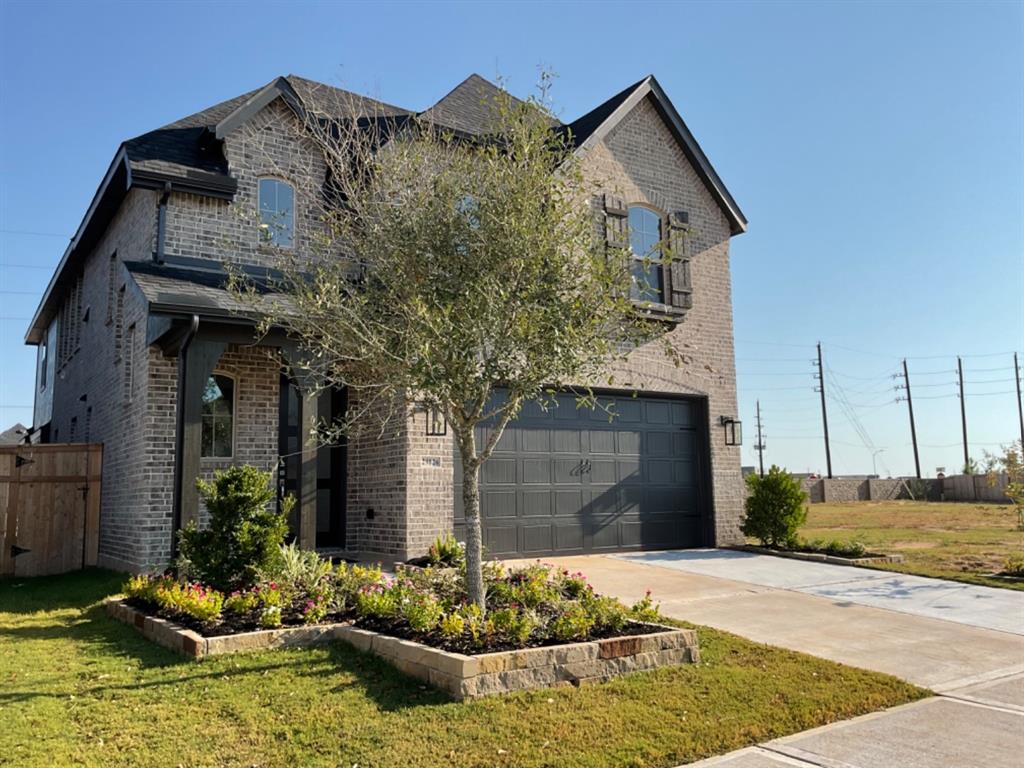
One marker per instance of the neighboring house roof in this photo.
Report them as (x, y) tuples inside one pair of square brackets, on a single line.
[(467, 107), (187, 155), (14, 435)]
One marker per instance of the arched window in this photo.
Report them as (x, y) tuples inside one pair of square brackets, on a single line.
[(277, 213), (644, 237), (218, 417)]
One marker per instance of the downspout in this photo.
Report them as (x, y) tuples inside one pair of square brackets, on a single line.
[(179, 431), (161, 223)]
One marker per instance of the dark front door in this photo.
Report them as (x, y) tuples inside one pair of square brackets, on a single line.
[(330, 465), (568, 480)]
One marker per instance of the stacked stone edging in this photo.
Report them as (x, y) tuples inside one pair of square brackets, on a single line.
[(460, 675)]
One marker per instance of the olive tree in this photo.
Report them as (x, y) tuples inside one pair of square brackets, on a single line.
[(449, 266)]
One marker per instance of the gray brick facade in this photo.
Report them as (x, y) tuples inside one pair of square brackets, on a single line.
[(122, 392)]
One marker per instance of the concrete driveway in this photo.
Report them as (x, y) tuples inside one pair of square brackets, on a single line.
[(964, 642)]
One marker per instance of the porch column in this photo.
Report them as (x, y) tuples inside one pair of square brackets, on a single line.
[(196, 362), (308, 473)]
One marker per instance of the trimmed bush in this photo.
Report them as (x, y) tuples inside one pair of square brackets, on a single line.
[(775, 508), (245, 534)]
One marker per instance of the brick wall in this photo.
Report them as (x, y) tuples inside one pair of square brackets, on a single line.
[(270, 145)]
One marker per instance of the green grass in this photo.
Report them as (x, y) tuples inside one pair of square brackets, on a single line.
[(961, 541), (77, 688)]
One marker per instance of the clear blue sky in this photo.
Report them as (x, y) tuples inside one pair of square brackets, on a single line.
[(877, 149)]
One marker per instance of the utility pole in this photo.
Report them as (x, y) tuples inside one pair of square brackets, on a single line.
[(913, 428), (824, 412), (963, 411), (1020, 406), (760, 441)]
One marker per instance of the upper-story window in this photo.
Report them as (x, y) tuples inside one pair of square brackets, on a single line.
[(218, 418), (277, 213), (644, 239)]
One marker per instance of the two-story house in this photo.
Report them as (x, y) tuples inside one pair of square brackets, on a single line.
[(141, 348)]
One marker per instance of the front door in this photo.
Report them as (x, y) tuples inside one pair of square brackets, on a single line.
[(331, 464)]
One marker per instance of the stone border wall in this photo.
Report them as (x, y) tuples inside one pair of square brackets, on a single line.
[(460, 675), (821, 557)]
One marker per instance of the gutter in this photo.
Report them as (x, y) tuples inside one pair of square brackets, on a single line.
[(179, 432), (161, 223)]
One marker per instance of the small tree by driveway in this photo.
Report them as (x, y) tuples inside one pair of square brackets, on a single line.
[(450, 267)]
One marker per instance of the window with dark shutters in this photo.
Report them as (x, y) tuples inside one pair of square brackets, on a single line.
[(680, 283)]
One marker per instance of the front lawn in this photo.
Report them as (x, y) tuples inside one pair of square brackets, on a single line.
[(961, 541), (78, 688)]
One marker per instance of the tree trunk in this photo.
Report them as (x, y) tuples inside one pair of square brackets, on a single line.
[(475, 587)]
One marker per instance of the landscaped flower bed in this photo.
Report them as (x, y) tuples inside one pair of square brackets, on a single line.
[(528, 607), (236, 587)]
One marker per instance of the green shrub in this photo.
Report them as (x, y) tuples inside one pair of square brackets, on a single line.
[(349, 580), (245, 534), (447, 552), (775, 508), (376, 601), (572, 623), (172, 597), (1014, 565), (421, 611), (607, 613), (644, 610), (452, 625)]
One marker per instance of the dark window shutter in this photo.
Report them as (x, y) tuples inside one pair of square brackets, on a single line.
[(679, 286), (616, 223)]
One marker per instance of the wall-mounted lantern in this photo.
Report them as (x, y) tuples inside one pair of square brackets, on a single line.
[(437, 425), (733, 430)]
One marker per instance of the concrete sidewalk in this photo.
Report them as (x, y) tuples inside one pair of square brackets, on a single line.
[(976, 722), (978, 606)]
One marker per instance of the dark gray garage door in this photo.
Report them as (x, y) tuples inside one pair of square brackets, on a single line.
[(568, 480)]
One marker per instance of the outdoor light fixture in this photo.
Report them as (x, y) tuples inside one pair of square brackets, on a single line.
[(437, 425), (733, 430)]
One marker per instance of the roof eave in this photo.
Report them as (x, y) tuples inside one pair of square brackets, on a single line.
[(41, 317)]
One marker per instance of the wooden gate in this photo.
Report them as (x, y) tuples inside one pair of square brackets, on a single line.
[(49, 508)]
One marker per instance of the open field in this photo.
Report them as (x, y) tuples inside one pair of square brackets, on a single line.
[(78, 688), (962, 541)]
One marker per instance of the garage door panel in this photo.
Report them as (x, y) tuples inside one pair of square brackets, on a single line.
[(573, 481), (498, 470), (628, 410), (657, 412), (501, 540), (682, 414), (568, 537), (506, 443), (629, 470), (602, 472), (568, 502), (532, 440), (602, 441), (660, 471), (566, 441), (536, 538), (499, 504), (569, 471), (658, 444), (534, 503), (628, 442), (536, 471)]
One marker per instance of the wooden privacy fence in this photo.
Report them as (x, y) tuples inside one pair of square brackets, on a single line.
[(49, 508)]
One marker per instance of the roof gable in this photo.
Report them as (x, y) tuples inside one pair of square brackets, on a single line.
[(468, 107), (595, 125)]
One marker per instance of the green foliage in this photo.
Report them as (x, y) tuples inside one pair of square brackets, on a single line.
[(836, 547), (644, 610), (775, 508), (171, 597), (447, 552), (245, 534), (377, 601), (452, 625), (1010, 463), (349, 580), (1014, 565), (573, 623)]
